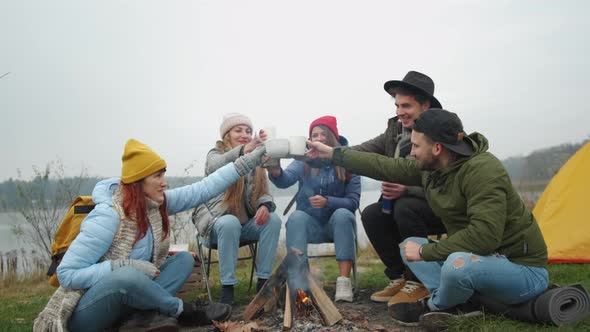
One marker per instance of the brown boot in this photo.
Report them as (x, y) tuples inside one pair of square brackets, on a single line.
[(389, 291), (411, 292)]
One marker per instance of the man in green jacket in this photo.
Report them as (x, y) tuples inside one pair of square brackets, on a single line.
[(494, 244)]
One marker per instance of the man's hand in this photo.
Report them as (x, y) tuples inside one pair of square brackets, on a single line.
[(392, 190), (262, 215), (411, 251), (319, 150), (318, 201)]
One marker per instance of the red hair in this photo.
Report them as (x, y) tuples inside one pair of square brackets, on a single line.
[(134, 207)]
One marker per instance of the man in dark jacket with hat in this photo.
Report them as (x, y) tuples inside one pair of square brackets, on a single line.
[(494, 244), (402, 211)]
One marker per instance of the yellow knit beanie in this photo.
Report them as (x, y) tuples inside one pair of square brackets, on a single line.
[(139, 161)]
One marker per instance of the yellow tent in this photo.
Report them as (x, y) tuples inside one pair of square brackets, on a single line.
[(563, 211)]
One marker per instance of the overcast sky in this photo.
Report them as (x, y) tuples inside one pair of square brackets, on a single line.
[(84, 76)]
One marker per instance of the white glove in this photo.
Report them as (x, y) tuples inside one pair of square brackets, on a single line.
[(144, 267)]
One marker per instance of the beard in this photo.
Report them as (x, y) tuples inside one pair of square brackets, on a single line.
[(428, 163)]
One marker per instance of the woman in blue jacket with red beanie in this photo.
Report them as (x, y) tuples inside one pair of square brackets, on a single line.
[(326, 203)]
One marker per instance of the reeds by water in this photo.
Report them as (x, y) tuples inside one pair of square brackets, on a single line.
[(19, 264)]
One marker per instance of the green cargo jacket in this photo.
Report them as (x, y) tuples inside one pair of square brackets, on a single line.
[(385, 143), (473, 196)]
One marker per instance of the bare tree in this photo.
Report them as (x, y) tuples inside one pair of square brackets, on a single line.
[(181, 228), (44, 201)]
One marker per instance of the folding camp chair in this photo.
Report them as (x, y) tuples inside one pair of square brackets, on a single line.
[(202, 242)]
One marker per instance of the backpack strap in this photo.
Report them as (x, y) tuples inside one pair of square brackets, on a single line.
[(83, 209), (291, 202)]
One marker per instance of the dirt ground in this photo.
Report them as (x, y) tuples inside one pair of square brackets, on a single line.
[(360, 315)]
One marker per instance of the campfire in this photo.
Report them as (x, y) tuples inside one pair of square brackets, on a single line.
[(293, 289), (303, 304)]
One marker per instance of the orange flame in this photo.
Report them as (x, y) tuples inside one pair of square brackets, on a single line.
[(303, 303), (303, 297)]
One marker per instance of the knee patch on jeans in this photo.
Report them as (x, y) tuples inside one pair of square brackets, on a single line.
[(457, 260), (459, 263)]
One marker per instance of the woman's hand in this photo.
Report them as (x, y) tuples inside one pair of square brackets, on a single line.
[(275, 171), (319, 150), (262, 215), (262, 134), (318, 201), (253, 144), (145, 267)]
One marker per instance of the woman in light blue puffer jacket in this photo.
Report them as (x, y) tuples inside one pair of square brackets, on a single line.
[(118, 264)]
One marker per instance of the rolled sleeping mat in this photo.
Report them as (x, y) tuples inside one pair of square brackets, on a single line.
[(557, 306), (562, 305), (523, 312)]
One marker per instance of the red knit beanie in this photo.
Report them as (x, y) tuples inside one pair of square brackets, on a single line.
[(328, 121)]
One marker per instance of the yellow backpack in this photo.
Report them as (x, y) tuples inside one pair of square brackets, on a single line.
[(66, 233)]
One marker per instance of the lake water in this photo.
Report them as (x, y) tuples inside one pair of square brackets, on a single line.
[(9, 241)]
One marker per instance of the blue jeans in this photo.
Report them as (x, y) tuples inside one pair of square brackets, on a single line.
[(127, 289), (340, 229), (453, 281), (227, 233)]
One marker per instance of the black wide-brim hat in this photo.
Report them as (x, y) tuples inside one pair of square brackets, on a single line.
[(415, 81)]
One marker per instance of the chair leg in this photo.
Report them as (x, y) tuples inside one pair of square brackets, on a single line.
[(206, 269), (354, 275), (253, 251), (356, 251)]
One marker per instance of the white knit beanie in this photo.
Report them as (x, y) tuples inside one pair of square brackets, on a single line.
[(231, 120)]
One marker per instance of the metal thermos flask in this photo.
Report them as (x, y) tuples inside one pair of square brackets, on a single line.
[(386, 205)]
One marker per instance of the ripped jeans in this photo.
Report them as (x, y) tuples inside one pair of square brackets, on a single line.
[(453, 281)]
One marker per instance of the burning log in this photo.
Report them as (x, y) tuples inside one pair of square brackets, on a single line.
[(303, 296), (288, 317), (325, 306), (268, 293)]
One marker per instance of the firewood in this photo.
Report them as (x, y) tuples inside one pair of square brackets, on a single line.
[(288, 317), (267, 292), (325, 306)]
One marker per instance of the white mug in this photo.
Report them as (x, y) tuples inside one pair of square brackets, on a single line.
[(271, 132), (277, 148), (297, 145)]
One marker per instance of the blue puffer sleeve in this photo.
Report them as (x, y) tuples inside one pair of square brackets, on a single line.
[(192, 195), (79, 268), (294, 172), (352, 196)]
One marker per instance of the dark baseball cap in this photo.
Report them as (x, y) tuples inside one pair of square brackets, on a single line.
[(444, 127)]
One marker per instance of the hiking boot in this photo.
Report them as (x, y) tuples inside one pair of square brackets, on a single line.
[(408, 313), (259, 284), (194, 315), (389, 291), (227, 294), (440, 320), (149, 321), (343, 290), (411, 292)]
